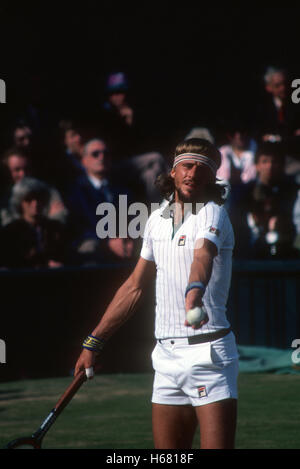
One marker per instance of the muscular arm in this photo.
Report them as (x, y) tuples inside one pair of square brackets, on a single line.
[(201, 270), (125, 300), (120, 309), (201, 267)]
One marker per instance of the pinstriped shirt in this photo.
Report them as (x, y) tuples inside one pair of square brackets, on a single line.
[(173, 252)]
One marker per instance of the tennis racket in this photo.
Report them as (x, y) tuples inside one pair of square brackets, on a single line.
[(35, 441)]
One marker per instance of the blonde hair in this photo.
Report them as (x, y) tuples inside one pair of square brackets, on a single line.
[(199, 145)]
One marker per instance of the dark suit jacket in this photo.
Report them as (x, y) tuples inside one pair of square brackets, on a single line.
[(242, 202), (82, 200), (268, 121), (22, 246)]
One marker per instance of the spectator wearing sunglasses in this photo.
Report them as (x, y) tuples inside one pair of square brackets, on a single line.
[(87, 192)]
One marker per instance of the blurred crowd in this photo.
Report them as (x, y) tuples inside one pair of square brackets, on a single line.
[(54, 174)]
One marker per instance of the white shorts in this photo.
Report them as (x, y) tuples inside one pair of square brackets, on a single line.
[(195, 374)]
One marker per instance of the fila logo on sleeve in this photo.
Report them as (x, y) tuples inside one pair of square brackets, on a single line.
[(214, 230)]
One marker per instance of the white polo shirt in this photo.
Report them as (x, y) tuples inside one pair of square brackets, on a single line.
[(173, 255)]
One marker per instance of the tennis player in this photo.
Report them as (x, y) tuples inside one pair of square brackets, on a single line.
[(188, 245)]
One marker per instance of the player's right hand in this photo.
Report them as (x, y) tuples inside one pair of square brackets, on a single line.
[(193, 298), (85, 361)]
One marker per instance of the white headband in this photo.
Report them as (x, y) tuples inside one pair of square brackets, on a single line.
[(198, 158)]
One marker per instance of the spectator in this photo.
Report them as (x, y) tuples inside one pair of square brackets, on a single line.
[(22, 137), (263, 217), (237, 166), (68, 165), (129, 142), (277, 116), (201, 132), (117, 99), (17, 165), (39, 149), (142, 172), (91, 189), (117, 119), (32, 240), (72, 138)]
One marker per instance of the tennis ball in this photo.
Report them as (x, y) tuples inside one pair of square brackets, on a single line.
[(195, 315)]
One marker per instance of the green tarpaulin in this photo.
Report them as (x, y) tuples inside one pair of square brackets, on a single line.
[(255, 359)]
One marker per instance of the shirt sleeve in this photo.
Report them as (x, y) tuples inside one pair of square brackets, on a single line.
[(147, 246), (212, 224)]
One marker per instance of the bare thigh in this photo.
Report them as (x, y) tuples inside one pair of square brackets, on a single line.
[(173, 426), (217, 423)]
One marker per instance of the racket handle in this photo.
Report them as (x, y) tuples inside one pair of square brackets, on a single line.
[(79, 379), (36, 439)]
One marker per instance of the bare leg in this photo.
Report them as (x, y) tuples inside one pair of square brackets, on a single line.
[(217, 424), (173, 426)]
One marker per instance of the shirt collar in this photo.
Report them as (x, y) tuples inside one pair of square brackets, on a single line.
[(167, 212), (278, 103), (96, 183)]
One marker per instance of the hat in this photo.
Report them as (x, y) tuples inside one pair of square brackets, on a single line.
[(116, 82)]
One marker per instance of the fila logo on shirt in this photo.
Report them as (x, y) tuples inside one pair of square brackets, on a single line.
[(181, 241)]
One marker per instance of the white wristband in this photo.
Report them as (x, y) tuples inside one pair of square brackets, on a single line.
[(89, 372)]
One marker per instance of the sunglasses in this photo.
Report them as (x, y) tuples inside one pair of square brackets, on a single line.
[(97, 153)]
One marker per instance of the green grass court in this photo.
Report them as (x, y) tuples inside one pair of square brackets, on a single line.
[(114, 412)]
